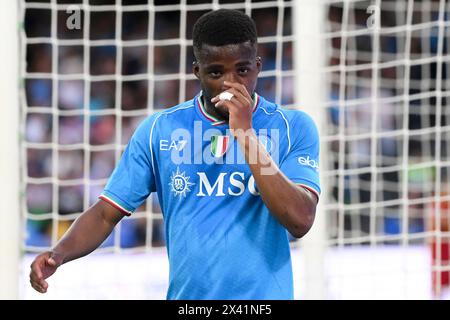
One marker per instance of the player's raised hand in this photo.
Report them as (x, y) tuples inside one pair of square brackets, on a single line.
[(240, 106), (43, 266)]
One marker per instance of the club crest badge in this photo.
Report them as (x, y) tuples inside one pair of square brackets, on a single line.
[(219, 145)]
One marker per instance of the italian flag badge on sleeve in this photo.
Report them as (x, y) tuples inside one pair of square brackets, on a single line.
[(219, 145)]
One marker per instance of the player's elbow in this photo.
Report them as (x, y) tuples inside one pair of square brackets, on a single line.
[(299, 230), (302, 212), (303, 222)]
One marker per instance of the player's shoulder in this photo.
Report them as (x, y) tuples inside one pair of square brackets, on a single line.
[(292, 116), (297, 117), (178, 111), (160, 117), (172, 115), (302, 126)]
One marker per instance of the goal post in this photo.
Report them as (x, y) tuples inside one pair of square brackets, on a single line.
[(10, 235), (309, 52)]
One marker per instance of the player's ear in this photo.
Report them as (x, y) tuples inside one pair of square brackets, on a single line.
[(259, 63), (196, 69)]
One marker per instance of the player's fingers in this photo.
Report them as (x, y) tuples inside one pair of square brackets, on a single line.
[(39, 286), (237, 98), (239, 87), (38, 263), (43, 284), (51, 262), (33, 277), (35, 273), (233, 96), (38, 280), (233, 105), (228, 104), (243, 100), (35, 285)]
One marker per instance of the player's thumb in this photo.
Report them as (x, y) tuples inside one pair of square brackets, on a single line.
[(51, 262)]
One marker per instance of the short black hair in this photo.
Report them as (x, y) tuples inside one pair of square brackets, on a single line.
[(223, 27)]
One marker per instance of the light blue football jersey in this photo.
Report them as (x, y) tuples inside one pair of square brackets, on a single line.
[(222, 241)]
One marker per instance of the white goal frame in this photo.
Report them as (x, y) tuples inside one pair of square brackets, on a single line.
[(10, 235)]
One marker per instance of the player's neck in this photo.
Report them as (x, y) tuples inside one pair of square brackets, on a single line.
[(211, 110)]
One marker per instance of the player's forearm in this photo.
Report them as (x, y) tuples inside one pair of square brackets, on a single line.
[(86, 234), (293, 206)]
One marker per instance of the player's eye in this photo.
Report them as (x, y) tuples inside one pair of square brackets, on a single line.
[(243, 71), (215, 74)]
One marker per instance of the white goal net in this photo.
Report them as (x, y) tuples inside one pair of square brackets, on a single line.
[(386, 136), (378, 87)]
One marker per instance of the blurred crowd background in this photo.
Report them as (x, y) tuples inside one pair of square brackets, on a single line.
[(83, 100)]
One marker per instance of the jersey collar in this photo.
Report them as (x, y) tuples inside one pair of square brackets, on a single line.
[(214, 120)]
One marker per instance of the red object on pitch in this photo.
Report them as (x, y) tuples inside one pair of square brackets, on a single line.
[(444, 259)]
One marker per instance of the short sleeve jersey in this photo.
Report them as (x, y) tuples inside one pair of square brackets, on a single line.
[(222, 241)]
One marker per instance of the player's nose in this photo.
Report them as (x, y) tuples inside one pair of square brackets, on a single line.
[(230, 77)]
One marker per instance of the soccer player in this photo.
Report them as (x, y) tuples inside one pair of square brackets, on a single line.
[(233, 173)]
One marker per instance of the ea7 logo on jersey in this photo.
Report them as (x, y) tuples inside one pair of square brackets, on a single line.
[(173, 145), (307, 161)]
